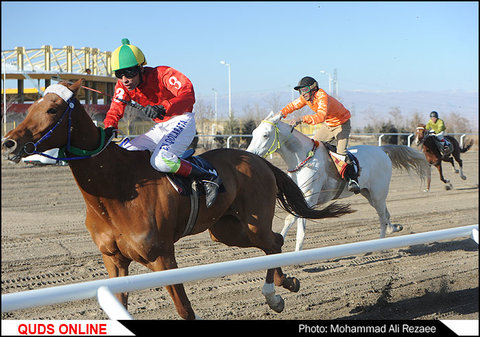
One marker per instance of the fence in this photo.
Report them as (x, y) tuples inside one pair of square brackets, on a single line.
[(361, 138), (379, 136), (104, 289)]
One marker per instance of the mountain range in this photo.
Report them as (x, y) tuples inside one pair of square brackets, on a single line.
[(364, 105)]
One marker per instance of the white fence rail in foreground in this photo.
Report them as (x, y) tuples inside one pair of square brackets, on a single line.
[(103, 289)]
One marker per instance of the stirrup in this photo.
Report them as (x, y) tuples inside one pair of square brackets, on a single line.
[(353, 186)]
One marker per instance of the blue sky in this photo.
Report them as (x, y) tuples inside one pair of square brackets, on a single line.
[(387, 46)]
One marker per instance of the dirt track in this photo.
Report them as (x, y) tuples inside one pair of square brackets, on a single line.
[(45, 244)]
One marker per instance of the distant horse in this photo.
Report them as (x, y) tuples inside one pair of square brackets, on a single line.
[(430, 149), (134, 214), (318, 177)]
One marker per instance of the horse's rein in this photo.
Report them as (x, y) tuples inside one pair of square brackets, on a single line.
[(276, 145), (310, 154)]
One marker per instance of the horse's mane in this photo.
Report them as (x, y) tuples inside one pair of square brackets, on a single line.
[(295, 131), (429, 142)]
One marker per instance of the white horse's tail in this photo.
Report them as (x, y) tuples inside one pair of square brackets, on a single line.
[(406, 159)]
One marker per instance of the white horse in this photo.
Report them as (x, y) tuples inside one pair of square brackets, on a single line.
[(318, 177)]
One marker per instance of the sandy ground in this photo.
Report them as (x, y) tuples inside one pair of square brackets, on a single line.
[(45, 244)]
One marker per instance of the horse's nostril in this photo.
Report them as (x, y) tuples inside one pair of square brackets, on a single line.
[(8, 144)]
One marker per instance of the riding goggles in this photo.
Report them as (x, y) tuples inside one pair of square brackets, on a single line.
[(304, 90), (127, 72)]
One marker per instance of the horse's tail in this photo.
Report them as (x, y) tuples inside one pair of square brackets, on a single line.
[(467, 147), (455, 143), (406, 158), (293, 201)]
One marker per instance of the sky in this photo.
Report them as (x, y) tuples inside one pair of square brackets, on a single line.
[(373, 46)]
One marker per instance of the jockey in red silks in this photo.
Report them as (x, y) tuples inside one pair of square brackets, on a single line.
[(167, 97)]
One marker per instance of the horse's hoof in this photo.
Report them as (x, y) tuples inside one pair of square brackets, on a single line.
[(463, 177), (397, 228), (426, 190), (293, 284), (448, 187), (277, 305)]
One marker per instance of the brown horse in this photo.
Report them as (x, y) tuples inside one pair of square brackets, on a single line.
[(435, 158), (134, 214)]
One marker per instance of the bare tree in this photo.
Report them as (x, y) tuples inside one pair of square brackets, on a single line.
[(256, 112), (415, 120), (454, 123)]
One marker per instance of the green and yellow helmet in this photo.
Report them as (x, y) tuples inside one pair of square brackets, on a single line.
[(127, 56)]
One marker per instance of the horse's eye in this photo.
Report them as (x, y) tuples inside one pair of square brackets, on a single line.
[(52, 111)]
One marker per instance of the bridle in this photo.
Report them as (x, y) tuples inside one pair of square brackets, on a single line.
[(425, 135), (277, 145), (77, 152), (276, 141)]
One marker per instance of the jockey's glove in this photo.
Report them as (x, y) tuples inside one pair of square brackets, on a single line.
[(154, 111), (109, 132)]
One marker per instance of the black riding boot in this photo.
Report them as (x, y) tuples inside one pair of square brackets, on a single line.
[(441, 147), (210, 181), (351, 176)]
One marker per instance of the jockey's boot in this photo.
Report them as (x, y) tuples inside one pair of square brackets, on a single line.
[(441, 147), (351, 176), (210, 181), (446, 145)]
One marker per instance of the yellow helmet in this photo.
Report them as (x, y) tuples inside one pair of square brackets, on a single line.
[(127, 56)]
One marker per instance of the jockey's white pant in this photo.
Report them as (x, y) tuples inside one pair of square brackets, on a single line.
[(167, 141)]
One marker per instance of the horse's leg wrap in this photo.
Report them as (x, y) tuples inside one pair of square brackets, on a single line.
[(275, 302), (462, 176)]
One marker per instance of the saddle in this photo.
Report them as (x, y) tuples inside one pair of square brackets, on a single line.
[(445, 148), (339, 160)]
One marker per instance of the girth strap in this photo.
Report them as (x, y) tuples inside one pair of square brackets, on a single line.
[(192, 218), (340, 189)]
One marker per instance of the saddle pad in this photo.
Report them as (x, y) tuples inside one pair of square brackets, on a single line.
[(341, 165)]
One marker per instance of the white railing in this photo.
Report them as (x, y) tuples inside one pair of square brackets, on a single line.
[(377, 134), (103, 289)]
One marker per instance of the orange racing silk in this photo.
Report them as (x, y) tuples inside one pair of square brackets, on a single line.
[(327, 109)]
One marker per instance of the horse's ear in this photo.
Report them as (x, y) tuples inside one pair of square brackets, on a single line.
[(75, 86), (276, 118), (270, 115)]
